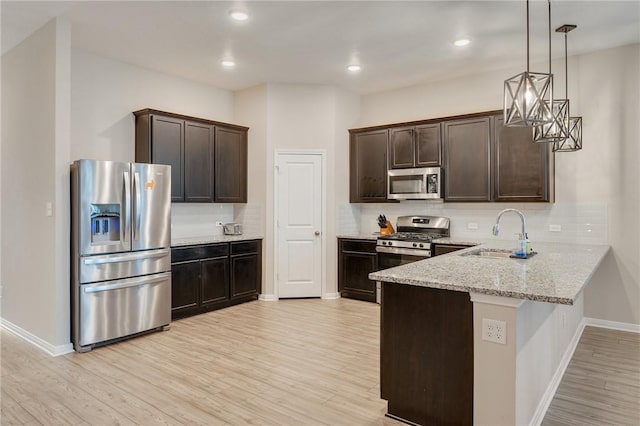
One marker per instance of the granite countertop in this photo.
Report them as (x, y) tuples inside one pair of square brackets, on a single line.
[(210, 239), (373, 236), (557, 274)]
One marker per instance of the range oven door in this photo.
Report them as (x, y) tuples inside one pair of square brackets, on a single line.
[(388, 257)]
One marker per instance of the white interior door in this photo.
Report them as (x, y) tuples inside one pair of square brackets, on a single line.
[(299, 220)]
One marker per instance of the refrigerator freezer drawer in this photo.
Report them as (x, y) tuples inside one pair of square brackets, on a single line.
[(114, 309), (122, 265)]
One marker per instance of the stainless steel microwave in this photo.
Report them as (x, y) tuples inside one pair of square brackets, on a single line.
[(414, 184)]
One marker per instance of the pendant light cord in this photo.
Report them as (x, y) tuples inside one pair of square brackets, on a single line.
[(549, 27), (527, 35), (566, 68)]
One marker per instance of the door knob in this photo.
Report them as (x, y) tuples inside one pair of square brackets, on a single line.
[(317, 233)]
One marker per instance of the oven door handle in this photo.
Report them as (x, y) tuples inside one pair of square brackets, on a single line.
[(406, 251)]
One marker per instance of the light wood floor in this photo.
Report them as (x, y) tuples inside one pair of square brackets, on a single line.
[(601, 385), (294, 362)]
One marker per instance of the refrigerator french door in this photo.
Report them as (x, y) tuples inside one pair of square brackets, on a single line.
[(121, 237)]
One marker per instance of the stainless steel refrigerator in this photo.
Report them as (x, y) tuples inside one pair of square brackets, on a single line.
[(120, 250)]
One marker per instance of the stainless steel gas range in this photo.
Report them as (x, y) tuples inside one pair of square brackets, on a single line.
[(412, 242)]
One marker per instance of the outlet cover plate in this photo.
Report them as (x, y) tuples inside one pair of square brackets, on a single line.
[(494, 331)]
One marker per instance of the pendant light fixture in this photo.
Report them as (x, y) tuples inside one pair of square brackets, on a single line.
[(557, 129), (573, 141), (528, 95)]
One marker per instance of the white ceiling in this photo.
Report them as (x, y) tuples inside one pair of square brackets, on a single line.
[(397, 43)]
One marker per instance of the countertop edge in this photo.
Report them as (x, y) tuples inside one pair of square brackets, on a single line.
[(195, 241), (537, 297)]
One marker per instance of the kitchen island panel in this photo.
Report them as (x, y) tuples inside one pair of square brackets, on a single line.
[(426, 354)]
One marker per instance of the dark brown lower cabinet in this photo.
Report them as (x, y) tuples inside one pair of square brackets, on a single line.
[(356, 260), (439, 249), (246, 269), (210, 276), (426, 354), (185, 283)]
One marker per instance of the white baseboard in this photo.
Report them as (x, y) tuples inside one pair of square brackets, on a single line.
[(548, 395), (35, 340), (330, 296), (622, 326), (267, 297)]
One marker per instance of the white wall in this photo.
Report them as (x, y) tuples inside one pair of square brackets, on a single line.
[(300, 117), (597, 196), (105, 92), (35, 144)]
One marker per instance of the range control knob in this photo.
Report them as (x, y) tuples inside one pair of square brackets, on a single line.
[(421, 245), (415, 245)]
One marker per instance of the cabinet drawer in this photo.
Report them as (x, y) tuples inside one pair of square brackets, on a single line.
[(199, 252), (245, 247), (358, 245)]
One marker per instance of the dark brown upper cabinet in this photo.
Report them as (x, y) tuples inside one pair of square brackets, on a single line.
[(230, 165), (168, 147), (467, 159), (521, 167), (198, 162), (368, 166), (415, 146), (208, 159)]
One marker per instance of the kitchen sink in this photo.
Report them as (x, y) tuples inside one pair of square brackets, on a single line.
[(493, 253)]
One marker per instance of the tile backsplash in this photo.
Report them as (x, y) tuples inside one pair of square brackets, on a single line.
[(578, 223), (250, 216), (195, 220)]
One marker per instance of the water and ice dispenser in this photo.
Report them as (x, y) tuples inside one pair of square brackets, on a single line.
[(105, 223)]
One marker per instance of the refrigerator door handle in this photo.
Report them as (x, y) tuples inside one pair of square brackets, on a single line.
[(126, 197), (138, 282), (136, 206), (124, 258)]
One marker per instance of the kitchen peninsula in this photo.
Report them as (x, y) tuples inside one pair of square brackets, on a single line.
[(437, 363)]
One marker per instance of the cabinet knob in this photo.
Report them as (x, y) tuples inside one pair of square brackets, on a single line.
[(316, 233)]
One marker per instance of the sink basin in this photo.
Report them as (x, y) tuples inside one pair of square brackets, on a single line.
[(494, 253)]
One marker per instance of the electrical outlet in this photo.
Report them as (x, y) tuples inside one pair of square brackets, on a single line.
[(472, 225), (494, 331), (218, 223), (555, 228)]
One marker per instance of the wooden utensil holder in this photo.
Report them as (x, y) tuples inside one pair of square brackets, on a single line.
[(388, 229)]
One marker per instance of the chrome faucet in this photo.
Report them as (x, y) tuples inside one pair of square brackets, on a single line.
[(523, 235)]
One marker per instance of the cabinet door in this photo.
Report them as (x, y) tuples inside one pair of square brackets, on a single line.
[(467, 150), (427, 145), (245, 275), (520, 165), (185, 286), (215, 281), (230, 166), (401, 148), (368, 167), (167, 147), (356, 260), (198, 162)]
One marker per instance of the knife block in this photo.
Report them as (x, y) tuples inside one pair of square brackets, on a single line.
[(388, 229)]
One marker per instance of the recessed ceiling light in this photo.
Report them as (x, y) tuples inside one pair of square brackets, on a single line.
[(462, 42), (239, 15), (228, 63), (354, 68)]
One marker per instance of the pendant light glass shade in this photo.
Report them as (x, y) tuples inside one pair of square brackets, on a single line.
[(528, 96), (574, 141), (526, 99)]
